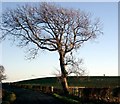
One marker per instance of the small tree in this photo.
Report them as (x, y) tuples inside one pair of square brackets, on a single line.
[(50, 27), (2, 74)]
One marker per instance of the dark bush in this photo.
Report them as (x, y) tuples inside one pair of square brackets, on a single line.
[(116, 92), (8, 96)]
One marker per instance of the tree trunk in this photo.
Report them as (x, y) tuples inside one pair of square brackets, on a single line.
[(63, 74)]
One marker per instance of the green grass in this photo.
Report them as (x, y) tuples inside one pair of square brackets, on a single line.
[(83, 81), (65, 99)]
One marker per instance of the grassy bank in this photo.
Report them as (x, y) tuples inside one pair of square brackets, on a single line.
[(83, 81)]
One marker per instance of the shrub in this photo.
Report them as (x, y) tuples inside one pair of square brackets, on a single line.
[(5, 102), (116, 92), (11, 97), (8, 96)]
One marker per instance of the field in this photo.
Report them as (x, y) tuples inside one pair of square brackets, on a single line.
[(82, 81)]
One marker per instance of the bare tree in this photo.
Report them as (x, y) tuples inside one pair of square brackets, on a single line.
[(74, 65), (50, 27), (2, 74)]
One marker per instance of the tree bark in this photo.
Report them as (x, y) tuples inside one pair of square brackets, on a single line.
[(63, 74)]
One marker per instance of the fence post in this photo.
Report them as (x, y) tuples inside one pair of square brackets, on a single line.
[(79, 93), (52, 89)]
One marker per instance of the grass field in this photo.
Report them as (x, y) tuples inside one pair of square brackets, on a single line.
[(83, 81)]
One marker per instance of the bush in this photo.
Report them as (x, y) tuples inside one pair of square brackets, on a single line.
[(5, 102), (8, 97), (11, 97), (116, 92)]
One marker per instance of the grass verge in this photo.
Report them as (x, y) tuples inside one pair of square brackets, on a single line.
[(65, 99)]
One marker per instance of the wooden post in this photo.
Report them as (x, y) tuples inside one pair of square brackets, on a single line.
[(52, 89)]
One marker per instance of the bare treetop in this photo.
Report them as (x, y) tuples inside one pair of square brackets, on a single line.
[(50, 27), (2, 74)]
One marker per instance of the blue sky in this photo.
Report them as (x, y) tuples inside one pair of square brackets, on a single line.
[(60, 0), (100, 56)]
